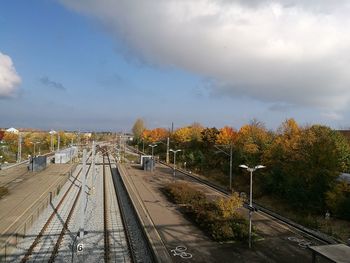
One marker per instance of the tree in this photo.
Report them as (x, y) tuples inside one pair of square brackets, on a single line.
[(304, 164), (154, 135), (196, 131), (183, 135), (209, 136), (226, 136), (146, 135), (138, 128), (252, 141)]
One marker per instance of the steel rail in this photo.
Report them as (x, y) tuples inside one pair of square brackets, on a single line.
[(125, 223), (105, 214), (49, 220)]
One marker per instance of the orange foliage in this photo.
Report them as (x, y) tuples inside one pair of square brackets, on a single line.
[(154, 135), (227, 136)]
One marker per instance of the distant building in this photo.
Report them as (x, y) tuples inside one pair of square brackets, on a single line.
[(12, 130)]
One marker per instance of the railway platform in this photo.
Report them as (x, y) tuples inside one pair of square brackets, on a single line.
[(29, 194)]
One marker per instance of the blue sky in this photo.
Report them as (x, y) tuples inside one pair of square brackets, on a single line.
[(99, 65)]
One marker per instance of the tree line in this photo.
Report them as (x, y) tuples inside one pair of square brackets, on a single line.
[(303, 163)]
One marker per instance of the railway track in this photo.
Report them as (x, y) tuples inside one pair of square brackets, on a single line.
[(105, 215), (49, 222), (138, 244)]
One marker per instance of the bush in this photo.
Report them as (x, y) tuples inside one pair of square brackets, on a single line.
[(181, 193), (219, 219)]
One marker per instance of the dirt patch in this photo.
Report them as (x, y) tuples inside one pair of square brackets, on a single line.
[(3, 191)]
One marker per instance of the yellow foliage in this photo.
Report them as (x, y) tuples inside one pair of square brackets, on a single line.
[(228, 207), (183, 134)]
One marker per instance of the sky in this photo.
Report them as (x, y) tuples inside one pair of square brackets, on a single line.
[(98, 65)]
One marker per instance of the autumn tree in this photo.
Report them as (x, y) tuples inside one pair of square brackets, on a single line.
[(10, 139), (304, 164), (226, 136), (284, 148), (183, 135), (252, 141), (209, 136), (196, 131), (155, 135), (138, 128)]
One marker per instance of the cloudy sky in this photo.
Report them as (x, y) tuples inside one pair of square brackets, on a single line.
[(100, 64)]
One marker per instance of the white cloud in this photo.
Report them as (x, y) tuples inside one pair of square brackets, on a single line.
[(9, 79), (293, 52)]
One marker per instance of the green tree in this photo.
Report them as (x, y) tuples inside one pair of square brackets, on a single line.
[(138, 128)]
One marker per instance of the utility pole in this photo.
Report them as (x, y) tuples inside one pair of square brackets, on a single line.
[(19, 154), (58, 141), (93, 167), (230, 155), (83, 197), (231, 149), (167, 150)]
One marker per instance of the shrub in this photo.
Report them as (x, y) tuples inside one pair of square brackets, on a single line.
[(181, 193), (219, 219)]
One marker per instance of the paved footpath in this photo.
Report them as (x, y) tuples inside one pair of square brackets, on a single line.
[(175, 230)]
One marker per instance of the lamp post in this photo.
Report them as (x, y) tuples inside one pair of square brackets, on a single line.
[(174, 151), (52, 133), (251, 208), (152, 146)]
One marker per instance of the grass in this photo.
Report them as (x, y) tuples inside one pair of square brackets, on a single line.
[(132, 158)]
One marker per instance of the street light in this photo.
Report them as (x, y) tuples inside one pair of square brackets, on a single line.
[(251, 208), (52, 132), (174, 151), (152, 146)]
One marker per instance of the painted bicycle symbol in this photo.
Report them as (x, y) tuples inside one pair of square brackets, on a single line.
[(181, 251), (301, 242)]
